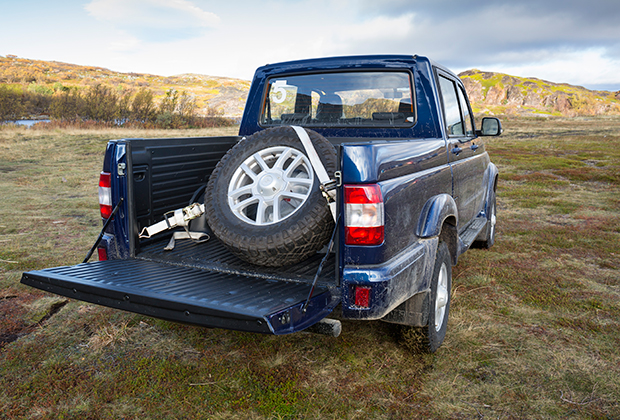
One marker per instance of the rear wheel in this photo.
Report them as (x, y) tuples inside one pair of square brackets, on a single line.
[(429, 338)]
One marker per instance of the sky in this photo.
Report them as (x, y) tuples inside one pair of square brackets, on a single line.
[(563, 41)]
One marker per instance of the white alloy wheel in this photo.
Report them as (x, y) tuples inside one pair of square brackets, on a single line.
[(493, 222), (442, 297), (270, 186)]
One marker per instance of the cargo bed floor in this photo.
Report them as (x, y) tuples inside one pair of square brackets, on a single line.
[(213, 256)]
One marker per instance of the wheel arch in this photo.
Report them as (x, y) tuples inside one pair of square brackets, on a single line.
[(439, 217)]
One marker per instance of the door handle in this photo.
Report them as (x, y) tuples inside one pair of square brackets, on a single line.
[(474, 147), (457, 150)]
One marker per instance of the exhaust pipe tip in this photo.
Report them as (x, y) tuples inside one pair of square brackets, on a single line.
[(326, 326)]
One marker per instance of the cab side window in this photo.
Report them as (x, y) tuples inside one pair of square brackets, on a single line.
[(452, 113), (469, 130)]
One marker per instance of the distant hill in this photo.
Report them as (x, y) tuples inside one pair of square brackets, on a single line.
[(490, 93), (213, 94), (500, 93)]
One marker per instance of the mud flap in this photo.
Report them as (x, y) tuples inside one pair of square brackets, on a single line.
[(190, 295)]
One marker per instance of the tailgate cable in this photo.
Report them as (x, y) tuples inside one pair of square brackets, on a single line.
[(318, 272), (105, 226)]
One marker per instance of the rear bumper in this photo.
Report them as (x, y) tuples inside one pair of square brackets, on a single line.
[(391, 283), (190, 295)]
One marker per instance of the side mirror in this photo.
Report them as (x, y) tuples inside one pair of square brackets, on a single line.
[(491, 126)]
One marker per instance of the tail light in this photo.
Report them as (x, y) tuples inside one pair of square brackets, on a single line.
[(364, 220), (103, 254), (105, 194)]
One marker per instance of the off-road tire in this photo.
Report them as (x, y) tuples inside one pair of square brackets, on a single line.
[(293, 239), (428, 339)]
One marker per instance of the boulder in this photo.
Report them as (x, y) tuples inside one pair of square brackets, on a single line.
[(514, 95), (473, 89), (532, 99), (495, 96)]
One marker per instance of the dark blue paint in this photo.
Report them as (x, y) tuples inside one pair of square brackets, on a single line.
[(370, 163), (117, 238)]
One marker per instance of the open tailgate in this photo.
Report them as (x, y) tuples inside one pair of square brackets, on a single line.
[(190, 295)]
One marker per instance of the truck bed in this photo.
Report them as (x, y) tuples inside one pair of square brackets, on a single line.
[(166, 174), (213, 256)]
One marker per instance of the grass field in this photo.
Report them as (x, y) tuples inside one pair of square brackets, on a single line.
[(533, 333)]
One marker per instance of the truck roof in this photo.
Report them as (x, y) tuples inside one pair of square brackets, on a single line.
[(351, 61)]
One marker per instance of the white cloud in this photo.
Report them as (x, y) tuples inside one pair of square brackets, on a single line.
[(370, 33), (586, 67), (124, 43), (152, 13)]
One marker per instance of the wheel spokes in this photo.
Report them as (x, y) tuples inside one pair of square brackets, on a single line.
[(245, 190), (246, 169), (276, 210), (441, 297), (261, 194), (261, 162), (283, 158)]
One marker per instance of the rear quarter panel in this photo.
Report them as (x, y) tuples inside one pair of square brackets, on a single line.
[(409, 173)]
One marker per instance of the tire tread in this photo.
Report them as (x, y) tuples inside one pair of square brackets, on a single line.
[(278, 244)]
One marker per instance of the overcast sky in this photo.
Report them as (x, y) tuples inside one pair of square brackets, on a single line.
[(571, 41)]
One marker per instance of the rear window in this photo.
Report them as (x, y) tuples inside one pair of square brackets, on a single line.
[(340, 99)]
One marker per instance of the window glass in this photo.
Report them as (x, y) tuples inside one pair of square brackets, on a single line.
[(342, 99), (469, 131), (454, 125)]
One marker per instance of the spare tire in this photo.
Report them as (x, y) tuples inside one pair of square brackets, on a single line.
[(263, 199)]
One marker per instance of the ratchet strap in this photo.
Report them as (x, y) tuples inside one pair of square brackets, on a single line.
[(198, 237), (328, 185), (179, 217)]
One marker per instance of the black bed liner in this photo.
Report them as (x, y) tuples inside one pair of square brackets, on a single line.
[(213, 256)]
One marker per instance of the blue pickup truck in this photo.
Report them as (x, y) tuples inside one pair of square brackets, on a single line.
[(354, 185)]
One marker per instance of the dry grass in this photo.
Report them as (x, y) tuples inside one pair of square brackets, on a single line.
[(533, 332)]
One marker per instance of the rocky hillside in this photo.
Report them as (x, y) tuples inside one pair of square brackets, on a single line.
[(500, 93), (214, 95)]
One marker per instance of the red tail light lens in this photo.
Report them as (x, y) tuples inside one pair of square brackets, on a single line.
[(364, 217), (105, 194)]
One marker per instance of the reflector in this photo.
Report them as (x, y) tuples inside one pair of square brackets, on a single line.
[(362, 296), (103, 254)]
